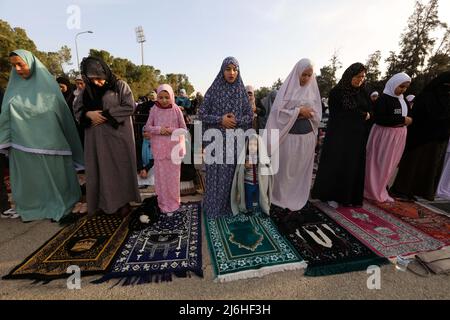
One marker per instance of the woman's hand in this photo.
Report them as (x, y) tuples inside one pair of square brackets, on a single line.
[(408, 121), (229, 121), (146, 135), (305, 113), (143, 174), (96, 117), (367, 116)]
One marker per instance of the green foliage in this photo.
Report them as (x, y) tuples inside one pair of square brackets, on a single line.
[(327, 78), (373, 67), (143, 79), (262, 92), (277, 84), (417, 44)]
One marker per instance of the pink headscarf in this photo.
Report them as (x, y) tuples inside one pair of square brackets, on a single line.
[(176, 108), (290, 98), (169, 90)]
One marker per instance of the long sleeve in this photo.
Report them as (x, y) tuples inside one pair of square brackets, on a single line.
[(150, 126), (245, 121), (80, 112), (126, 106), (337, 107), (205, 115), (181, 122), (384, 113)]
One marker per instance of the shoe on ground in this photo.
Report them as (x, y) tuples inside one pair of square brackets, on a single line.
[(10, 214)]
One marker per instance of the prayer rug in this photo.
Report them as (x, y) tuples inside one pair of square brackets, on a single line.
[(171, 246), (431, 222), (442, 207), (382, 232), (398, 208), (327, 248), (187, 188), (90, 244), (244, 247)]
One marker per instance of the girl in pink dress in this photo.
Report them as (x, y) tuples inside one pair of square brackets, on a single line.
[(164, 123)]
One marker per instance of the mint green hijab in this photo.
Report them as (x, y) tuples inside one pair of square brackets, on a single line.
[(35, 117)]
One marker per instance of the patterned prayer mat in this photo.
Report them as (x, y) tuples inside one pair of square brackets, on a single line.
[(172, 246), (398, 208), (90, 244), (442, 207), (382, 232), (244, 247), (327, 248), (429, 221)]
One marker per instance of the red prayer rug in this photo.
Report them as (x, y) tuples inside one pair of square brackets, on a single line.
[(382, 232), (425, 219)]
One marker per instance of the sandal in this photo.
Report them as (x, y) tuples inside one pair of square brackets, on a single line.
[(416, 267)]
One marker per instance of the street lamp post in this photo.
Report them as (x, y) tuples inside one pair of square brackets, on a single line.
[(76, 47), (140, 38)]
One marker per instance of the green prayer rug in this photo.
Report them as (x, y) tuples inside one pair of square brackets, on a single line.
[(244, 247), (90, 244)]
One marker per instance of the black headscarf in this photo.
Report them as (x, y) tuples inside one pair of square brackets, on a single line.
[(431, 113), (93, 67), (348, 90), (68, 94)]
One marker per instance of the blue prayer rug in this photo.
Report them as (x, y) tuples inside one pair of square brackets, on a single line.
[(172, 246)]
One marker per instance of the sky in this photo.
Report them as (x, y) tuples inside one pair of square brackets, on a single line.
[(193, 37)]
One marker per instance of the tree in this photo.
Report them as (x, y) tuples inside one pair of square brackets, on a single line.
[(102, 54), (142, 79), (440, 60), (417, 41), (392, 65), (277, 84), (263, 92), (178, 82), (54, 61), (327, 78), (373, 67)]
